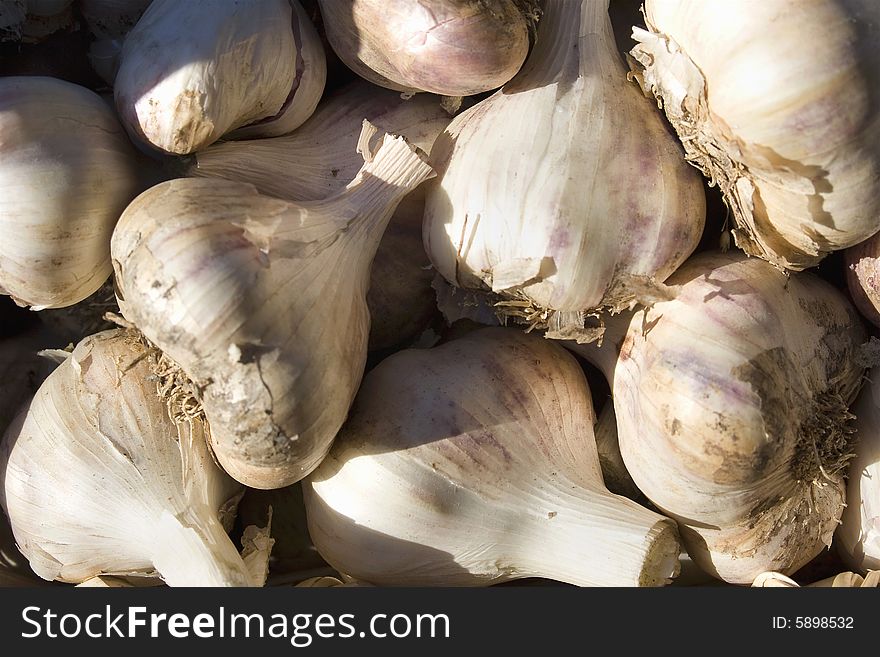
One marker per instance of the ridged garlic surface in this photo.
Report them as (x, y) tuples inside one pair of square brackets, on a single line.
[(67, 171), (448, 47), (319, 159), (732, 409), (563, 192), (858, 537), (97, 479), (109, 22), (192, 72), (777, 103), (473, 463), (261, 302)]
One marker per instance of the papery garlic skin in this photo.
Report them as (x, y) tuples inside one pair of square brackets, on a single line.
[(472, 464), (67, 171), (732, 408), (447, 47), (858, 537), (96, 478), (193, 72), (319, 159), (261, 302), (564, 191), (791, 134)]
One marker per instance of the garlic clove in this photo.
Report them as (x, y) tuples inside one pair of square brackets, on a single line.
[(97, 479), (732, 410), (441, 46), (563, 193), (472, 464), (67, 171), (193, 72), (200, 263), (790, 134)]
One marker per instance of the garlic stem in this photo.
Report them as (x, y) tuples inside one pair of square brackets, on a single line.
[(626, 544)]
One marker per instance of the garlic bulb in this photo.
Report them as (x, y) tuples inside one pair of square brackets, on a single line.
[(447, 47), (67, 171), (109, 21), (261, 302), (473, 463), (98, 479), (563, 192), (791, 134), (192, 72), (858, 537), (732, 407), (863, 277)]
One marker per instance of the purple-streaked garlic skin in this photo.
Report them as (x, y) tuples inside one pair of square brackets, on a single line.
[(447, 47), (791, 135), (564, 189), (732, 404)]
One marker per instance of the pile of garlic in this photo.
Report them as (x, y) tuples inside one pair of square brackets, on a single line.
[(437, 295)]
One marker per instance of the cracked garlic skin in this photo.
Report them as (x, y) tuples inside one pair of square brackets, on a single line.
[(732, 409), (192, 72), (97, 479), (473, 463), (858, 537), (262, 303), (564, 191), (777, 103), (446, 47), (67, 171)]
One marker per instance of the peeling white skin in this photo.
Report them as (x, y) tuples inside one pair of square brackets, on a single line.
[(67, 171), (97, 479), (474, 463), (713, 391), (778, 103), (858, 537), (564, 186), (262, 303), (191, 72)]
